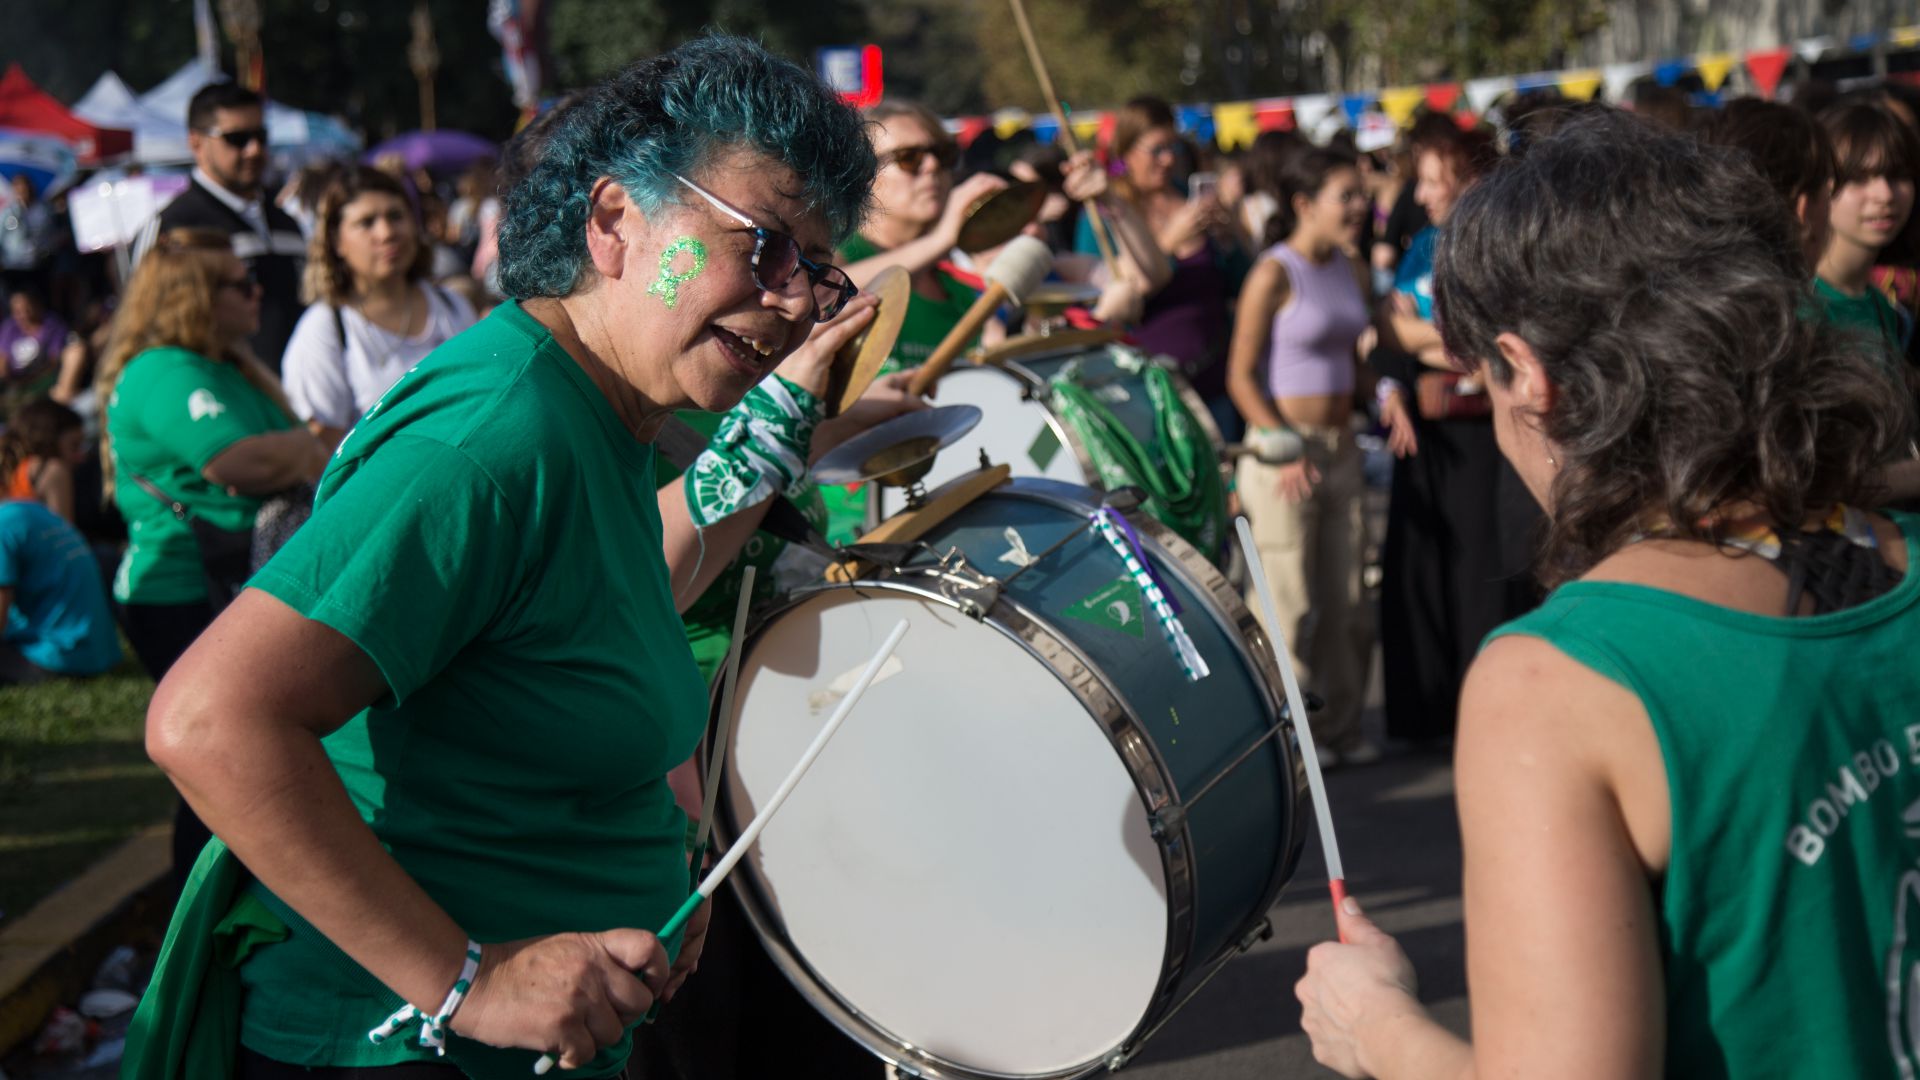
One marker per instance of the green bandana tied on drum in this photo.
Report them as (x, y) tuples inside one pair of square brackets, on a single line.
[(1184, 489), (760, 450)]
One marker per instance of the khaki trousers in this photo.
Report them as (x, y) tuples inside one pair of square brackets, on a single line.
[(1312, 552)]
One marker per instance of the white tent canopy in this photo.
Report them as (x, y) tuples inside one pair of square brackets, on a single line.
[(158, 118)]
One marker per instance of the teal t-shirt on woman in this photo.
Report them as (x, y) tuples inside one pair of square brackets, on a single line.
[(1790, 912), (489, 536)]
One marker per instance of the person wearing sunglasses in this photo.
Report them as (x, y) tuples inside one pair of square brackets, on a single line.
[(466, 676), (227, 135)]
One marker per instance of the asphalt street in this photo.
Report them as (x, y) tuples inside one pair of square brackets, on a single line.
[(1400, 841)]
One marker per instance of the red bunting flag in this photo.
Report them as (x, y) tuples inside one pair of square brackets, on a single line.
[(972, 128), (1441, 97), (1277, 116), (1767, 66)]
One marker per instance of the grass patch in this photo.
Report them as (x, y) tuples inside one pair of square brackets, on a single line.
[(74, 779)]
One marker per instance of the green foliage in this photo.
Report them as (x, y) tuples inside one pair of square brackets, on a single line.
[(1423, 40), (74, 779)]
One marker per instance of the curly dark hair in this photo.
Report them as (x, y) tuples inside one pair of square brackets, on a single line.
[(1660, 281)]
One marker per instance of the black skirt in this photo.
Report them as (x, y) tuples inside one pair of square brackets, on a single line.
[(1461, 534)]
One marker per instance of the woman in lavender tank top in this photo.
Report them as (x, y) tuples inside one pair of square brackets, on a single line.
[(1291, 367)]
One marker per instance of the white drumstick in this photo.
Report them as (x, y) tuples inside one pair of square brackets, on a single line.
[(723, 736), (1316, 784), (752, 832)]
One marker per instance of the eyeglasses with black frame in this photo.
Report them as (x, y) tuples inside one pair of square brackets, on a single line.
[(239, 138), (776, 258)]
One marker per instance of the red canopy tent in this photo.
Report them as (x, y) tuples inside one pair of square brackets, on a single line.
[(26, 107)]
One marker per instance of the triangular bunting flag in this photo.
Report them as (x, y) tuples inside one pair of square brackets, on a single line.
[(1441, 97), (1010, 122), (1086, 127), (1906, 36), (1275, 115), (1620, 78), (1538, 80), (1811, 49), (1467, 120), (1310, 110), (972, 128), (1580, 85), (1400, 102), (1766, 67), (1354, 105), (1045, 129), (1106, 131), (1668, 72), (1233, 125), (1195, 120), (1713, 68), (1482, 93), (1863, 42)]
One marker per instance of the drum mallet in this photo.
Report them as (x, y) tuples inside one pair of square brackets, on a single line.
[(752, 832), (1022, 264), (1316, 784)]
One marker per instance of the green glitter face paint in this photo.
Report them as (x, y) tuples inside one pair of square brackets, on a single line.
[(668, 287)]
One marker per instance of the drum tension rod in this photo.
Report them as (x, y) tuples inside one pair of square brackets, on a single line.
[(1262, 931), (1170, 818)]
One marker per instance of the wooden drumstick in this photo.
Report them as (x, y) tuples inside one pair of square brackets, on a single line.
[(752, 832), (1316, 784), (1098, 226), (1022, 264)]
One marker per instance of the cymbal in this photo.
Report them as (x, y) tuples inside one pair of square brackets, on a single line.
[(858, 362), (999, 217), (1061, 294), (899, 451)]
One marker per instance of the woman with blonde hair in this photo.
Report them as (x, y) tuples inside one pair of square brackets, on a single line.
[(374, 314), (197, 433)]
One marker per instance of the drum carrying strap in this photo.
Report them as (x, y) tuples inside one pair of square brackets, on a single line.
[(1185, 492)]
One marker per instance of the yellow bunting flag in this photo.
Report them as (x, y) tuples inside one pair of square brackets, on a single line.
[(1400, 102), (1086, 127), (1906, 36), (1234, 125), (1010, 122), (1713, 69), (1581, 85)]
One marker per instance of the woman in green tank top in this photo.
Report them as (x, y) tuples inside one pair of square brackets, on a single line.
[(1689, 782)]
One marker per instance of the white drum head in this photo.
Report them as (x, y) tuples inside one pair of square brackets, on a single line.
[(968, 865), (1014, 431)]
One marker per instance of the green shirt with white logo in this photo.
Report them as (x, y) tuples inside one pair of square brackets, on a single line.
[(489, 536), (171, 413)]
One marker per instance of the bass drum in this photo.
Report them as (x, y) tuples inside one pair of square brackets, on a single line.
[(1035, 838), (1029, 424)]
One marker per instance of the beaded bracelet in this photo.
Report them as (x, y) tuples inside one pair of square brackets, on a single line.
[(433, 1029)]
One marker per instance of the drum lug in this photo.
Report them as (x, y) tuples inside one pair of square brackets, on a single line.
[(1168, 820), (1118, 1060)]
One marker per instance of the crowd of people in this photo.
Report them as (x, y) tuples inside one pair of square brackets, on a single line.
[(383, 442)]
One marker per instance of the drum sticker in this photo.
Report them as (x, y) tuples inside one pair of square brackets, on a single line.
[(1045, 446), (1118, 605), (668, 287)]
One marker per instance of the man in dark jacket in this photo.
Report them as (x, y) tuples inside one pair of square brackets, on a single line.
[(227, 132)]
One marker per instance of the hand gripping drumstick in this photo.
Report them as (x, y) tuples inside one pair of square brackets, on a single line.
[(752, 833), (1316, 784), (1072, 144)]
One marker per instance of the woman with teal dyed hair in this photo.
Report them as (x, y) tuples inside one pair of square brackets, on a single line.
[(444, 769)]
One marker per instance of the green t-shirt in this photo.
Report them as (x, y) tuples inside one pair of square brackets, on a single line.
[(1868, 313), (489, 535), (1792, 900), (709, 622), (171, 413)]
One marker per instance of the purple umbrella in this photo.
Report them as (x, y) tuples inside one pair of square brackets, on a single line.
[(435, 151)]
